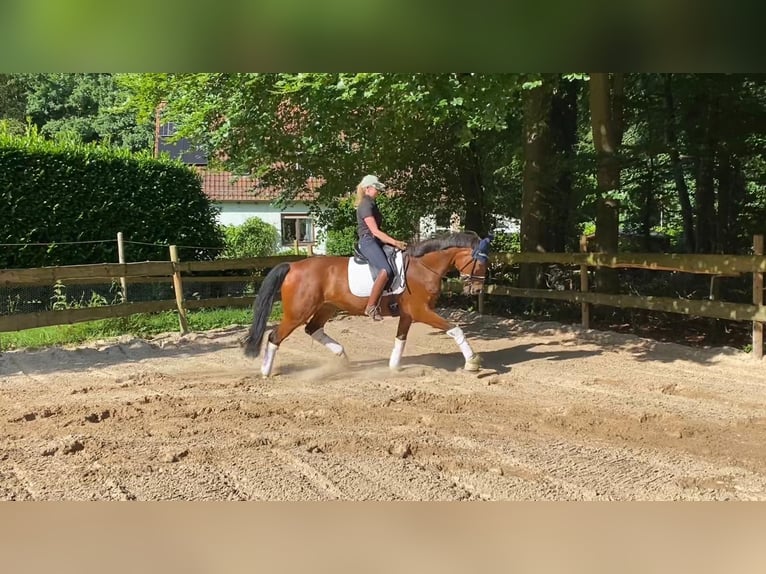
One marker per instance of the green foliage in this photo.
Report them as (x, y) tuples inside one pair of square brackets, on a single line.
[(56, 193), (399, 220), (341, 241), (13, 98), (254, 238), (61, 301), (503, 242), (76, 107), (419, 132), (454, 141), (339, 219), (12, 126)]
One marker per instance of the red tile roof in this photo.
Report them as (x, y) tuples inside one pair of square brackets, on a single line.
[(226, 186)]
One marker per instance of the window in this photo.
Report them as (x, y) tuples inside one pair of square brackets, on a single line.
[(167, 129), (297, 226), (443, 220)]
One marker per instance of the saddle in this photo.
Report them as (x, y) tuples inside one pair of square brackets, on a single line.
[(389, 250), (361, 274)]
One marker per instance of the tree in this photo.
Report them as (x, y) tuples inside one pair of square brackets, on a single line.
[(81, 107), (550, 136), (434, 136), (606, 107), (535, 191), (673, 151)]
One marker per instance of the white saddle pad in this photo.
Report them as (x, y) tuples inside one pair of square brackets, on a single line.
[(360, 280)]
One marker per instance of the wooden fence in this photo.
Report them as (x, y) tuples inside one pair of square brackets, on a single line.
[(173, 270), (148, 271)]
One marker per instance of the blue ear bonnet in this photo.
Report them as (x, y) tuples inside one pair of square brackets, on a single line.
[(481, 252)]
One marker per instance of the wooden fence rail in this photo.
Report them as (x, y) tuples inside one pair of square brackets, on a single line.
[(172, 271)]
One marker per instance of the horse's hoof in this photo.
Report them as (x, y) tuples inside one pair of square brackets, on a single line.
[(473, 364)]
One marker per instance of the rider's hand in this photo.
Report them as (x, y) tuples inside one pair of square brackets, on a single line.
[(401, 245)]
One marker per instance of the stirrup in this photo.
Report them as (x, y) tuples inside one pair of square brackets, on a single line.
[(374, 312)]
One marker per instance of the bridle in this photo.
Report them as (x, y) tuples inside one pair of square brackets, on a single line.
[(479, 254)]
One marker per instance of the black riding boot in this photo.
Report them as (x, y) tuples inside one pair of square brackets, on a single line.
[(373, 309)]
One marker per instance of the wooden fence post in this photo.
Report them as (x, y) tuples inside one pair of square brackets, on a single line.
[(121, 259), (585, 307), (179, 290), (758, 300)]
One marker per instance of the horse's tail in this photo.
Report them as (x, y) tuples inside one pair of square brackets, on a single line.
[(262, 308)]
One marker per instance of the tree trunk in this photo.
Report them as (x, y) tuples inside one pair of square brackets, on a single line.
[(537, 105), (704, 194), (678, 171), (606, 104), (564, 138)]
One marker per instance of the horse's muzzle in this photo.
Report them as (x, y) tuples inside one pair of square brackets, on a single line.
[(473, 285)]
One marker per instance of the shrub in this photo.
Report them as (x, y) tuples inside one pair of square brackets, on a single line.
[(504, 242), (254, 238), (341, 241)]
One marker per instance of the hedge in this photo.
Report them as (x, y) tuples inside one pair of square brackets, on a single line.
[(57, 193)]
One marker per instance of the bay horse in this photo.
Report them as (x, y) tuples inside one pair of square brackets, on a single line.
[(314, 289)]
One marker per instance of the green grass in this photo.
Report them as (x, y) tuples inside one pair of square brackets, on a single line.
[(141, 325)]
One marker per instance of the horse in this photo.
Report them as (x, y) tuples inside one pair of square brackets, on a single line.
[(314, 289)]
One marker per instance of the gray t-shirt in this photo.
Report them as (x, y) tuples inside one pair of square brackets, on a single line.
[(366, 208)]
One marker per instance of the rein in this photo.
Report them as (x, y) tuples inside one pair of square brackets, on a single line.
[(463, 276), (418, 259)]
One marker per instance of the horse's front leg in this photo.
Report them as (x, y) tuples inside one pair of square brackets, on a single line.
[(429, 317), (401, 339)]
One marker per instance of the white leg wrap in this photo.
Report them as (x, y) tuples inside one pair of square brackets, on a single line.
[(396, 354), (327, 341), (457, 334), (268, 358)]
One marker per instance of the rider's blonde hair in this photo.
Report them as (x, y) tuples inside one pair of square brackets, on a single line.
[(360, 193)]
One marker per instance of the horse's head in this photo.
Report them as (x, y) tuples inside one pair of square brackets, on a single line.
[(472, 266)]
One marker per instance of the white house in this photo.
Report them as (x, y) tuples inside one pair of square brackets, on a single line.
[(431, 224), (238, 199)]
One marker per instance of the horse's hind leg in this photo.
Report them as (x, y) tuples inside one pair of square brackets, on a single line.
[(290, 321), (315, 328)]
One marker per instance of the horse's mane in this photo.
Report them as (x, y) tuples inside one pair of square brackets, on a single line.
[(443, 241)]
